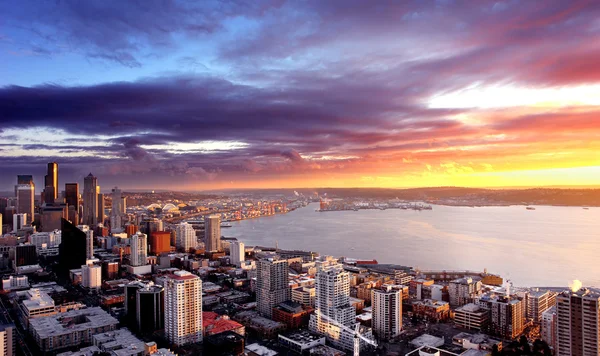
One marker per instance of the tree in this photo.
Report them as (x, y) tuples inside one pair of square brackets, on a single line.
[(495, 351)]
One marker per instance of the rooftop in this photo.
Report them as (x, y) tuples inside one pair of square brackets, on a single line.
[(37, 299), (427, 340), (304, 337), (122, 342), (72, 321), (470, 308), (261, 350)]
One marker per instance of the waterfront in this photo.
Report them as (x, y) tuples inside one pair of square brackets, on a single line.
[(546, 247)]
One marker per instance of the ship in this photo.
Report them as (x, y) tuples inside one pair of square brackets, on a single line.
[(530, 208), (225, 224)]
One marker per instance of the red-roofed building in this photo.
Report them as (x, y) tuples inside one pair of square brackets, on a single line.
[(366, 262), (213, 323)]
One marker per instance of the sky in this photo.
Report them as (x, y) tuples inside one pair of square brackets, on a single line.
[(284, 94)]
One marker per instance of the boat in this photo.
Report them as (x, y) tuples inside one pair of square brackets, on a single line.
[(530, 208), (586, 208), (226, 224)]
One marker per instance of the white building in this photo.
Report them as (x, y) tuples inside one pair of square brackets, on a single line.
[(578, 323), (185, 236), (538, 301), (183, 308), (387, 312), (334, 316), (89, 241), (548, 326), (237, 252), (139, 249), (49, 239), (15, 282), (272, 287), (91, 276), (304, 295), (8, 339), (19, 220)]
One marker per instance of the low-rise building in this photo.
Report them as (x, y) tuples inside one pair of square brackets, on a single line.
[(301, 341), (471, 317), (70, 329), (292, 314), (476, 341), (263, 327), (304, 296), (548, 326), (213, 323), (15, 282), (431, 309)]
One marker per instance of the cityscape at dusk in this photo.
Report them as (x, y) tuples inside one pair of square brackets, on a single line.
[(300, 178)]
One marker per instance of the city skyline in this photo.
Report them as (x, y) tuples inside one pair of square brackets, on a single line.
[(291, 95)]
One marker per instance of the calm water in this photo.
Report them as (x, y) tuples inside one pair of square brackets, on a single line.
[(546, 247)]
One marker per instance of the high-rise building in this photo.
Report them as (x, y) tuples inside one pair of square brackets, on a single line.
[(8, 338), (25, 255), (101, 207), (1, 222), (183, 308), (334, 316), (578, 323), (26, 201), (160, 242), (237, 252), (74, 247), (51, 215), (387, 312), (72, 200), (148, 226), (110, 270), (212, 233), (538, 301), (272, 285), (507, 315), (19, 220), (123, 205), (90, 200), (150, 307), (24, 179), (89, 241), (91, 276), (139, 249), (463, 291), (116, 211), (185, 236), (51, 184), (548, 327)]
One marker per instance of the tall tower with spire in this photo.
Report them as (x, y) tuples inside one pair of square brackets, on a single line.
[(90, 200)]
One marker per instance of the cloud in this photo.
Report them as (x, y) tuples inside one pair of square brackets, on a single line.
[(292, 155)]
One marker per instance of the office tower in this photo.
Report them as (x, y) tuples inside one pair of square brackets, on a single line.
[(72, 200), (123, 205), (91, 276), (24, 179), (212, 233), (25, 201), (19, 220), (110, 270), (130, 229), (89, 241), (237, 252), (10, 213), (160, 242), (3, 205), (463, 291), (139, 249), (131, 302), (51, 183), (578, 323), (272, 285), (150, 307), (507, 315), (101, 207), (538, 302), (183, 308), (185, 236), (1, 222), (90, 200), (116, 211), (149, 226), (387, 312), (548, 327), (25, 255), (334, 316), (8, 338), (74, 247), (51, 216)]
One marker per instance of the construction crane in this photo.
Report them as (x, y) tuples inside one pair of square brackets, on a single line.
[(356, 332)]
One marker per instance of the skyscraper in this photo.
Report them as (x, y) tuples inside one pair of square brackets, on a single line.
[(334, 316), (91, 276), (387, 312), (183, 308), (150, 308), (212, 233), (18, 221), (116, 217), (507, 315), (90, 200), (237, 252), (578, 323), (101, 206), (72, 200), (51, 183), (538, 302), (160, 242), (73, 248), (26, 201), (272, 285), (139, 249), (185, 236), (89, 241)]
